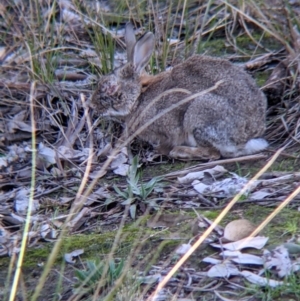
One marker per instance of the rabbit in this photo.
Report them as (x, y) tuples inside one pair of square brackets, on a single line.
[(228, 121)]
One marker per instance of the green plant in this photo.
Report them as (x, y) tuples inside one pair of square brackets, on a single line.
[(136, 190), (291, 227), (89, 278)]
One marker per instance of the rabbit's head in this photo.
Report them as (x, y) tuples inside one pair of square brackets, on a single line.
[(117, 92)]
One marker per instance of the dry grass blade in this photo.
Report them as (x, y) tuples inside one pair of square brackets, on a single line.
[(270, 30), (276, 211), (78, 203), (28, 217), (51, 55), (210, 229)]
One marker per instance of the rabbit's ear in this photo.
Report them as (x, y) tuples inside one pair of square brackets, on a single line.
[(130, 41), (142, 51)]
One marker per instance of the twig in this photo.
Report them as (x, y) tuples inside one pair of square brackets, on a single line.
[(203, 166)]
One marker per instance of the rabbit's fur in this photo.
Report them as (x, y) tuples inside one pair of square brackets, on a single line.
[(227, 121)]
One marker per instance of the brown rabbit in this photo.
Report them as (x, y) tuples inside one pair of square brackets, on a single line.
[(227, 121)]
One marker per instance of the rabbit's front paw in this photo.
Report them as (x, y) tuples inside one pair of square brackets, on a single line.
[(194, 153)]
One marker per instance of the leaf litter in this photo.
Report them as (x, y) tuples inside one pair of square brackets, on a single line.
[(63, 148)]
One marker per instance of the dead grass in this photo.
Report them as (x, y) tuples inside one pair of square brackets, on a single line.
[(54, 150)]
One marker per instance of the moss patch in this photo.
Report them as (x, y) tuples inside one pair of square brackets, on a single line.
[(242, 44)]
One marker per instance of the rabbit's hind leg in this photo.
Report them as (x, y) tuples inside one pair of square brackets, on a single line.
[(194, 153)]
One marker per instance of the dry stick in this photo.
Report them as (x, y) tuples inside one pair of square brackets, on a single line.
[(134, 123), (15, 283), (213, 225), (202, 166), (171, 108), (76, 205)]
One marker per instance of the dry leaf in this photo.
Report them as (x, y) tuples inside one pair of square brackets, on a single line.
[(101, 193), (17, 123), (46, 154), (280, 260), (121, 158), (228, 187), (69, 256), (238, 229), (257, 242), (119, 164), (122, 170), (199, 186), (211, 260), (260, 281), (79, 219), (3, 162), (242, 258), (98, 173), (224, 269), (260, 194), (222, 298), (151, 279), (215, 172), (48, 233), (181, 250), (21, 202)]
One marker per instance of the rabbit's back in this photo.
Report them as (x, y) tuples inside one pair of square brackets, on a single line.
[(201, 72), (231, 114)]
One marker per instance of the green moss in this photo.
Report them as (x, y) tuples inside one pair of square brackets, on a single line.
[(244, 169), (261, 77), (162, 169), (214, 47), (96, 245), (212, 215), (286, 165), (251, 45), (281, 228), (242, 44)]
